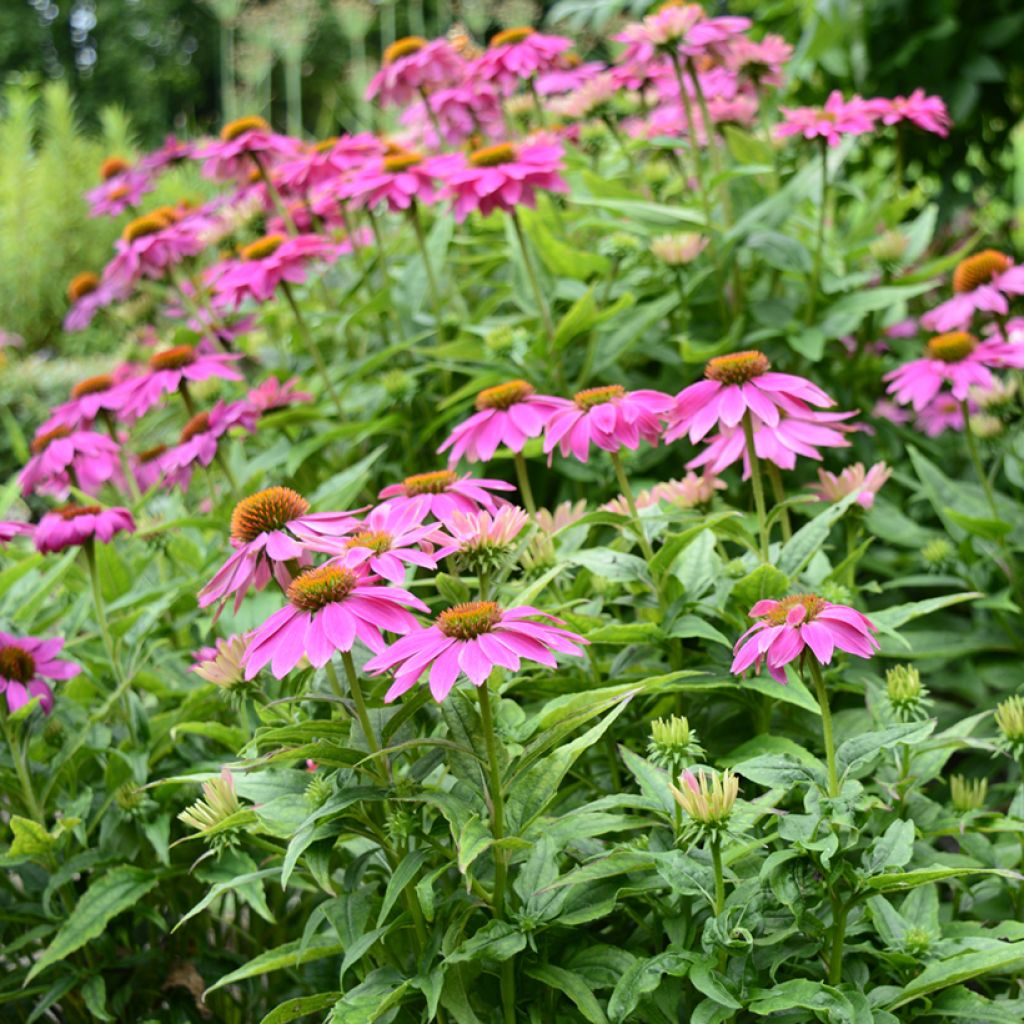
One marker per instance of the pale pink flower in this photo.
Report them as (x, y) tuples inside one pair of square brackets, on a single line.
[(73, 525), (942, 413), (481, 531), (62, 457), (693, 490), (803, 621), (589, 99), (956, 359), (572, 75), (445, 492), (273, 394), (853, 478), (199, 440), (838, 117), (328, 609), (926, 112), (242, 145), (508, 414), (170, 370), (886, 410), (222, 663), (412, 66), (760, 61), (610, 417), (472, 640), (518, 54), (500, 177), (982, 283), (26, 662), (564, 516)]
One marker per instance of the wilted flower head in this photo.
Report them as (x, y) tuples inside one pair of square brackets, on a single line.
[(707, 797), (673, 743), (967, 795), (678, 249), (1010, 722), (906, 694), (853, 478)]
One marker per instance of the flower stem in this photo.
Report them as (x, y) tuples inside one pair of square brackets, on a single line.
[(275, 196), (311, 345), (508, 997), (435, 291), (19, 756), (715, 846), (524, 482), (531, 273), (698, 169), (758, 483), (819, 246), (432, 114), (826, 726), (779, 494), (979, 466), (362, 714), (382, 266), (835, 960), (627, 493)]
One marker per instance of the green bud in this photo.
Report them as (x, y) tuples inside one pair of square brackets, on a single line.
[(907, 696), (673, 743), (1010, 722), (707, 797), (889, 247), (967, 794), (938, 553)]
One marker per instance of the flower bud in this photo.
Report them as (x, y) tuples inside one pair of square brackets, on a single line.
[(917, 941), (889, 247), (707, 797), (673, 743), (619, 245), (218, 803), (938, 553), (1010, 722), (907, 696), (678, 249), (967, 794), (986, 426)]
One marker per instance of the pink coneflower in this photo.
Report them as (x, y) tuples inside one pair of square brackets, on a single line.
[(11, 528), (86, 294), (693, 490), (265, 263), (103, 394), (508, 414), (481, 533), (310, 168), (267, 533), (680, 28), (838, 117), (72, 525), (759, 61), (610, 417), (803, 621), (399, 179), (197, 445), (926, 112), (501, 177), (222, 663), (62, 457), (412, 66), (388, 539), (472, 639), (957, 359), (569, 75), (149, 246), (733, 386), (516, 55), (942, 413), (242, 143), (24, 662), (884, 409), (273, 394), (982, 283), (122, 192), (172, 368), (853, 478), (150, 466), (462, 112), (446, 491), (172, 152), (328, 609), (592, 98)]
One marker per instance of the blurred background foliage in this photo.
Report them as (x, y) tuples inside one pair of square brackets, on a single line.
[(85, 78)]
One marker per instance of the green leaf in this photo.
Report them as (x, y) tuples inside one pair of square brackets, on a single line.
[(120, 888), (856, 755), (497, 940), (810, 538), (579, 318), (800, 994), (290, 954), (780, 770), (957, 969), (962, 1004), (894, 616), (902, 881), (893, 848), (978, 526), (406, 871), (302, 1006), (764, 582), (687, 626), (574, 986), (371, 999), (845, 315), (706, 979), (30, 838), (644, 977)]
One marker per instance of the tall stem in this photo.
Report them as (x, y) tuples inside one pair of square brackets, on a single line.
[(531, 273), (779, 494), (311, 346), (979, 466), (524, 482), (494, 786), (835, 960), (826, 726), (275, 196), (715, 846), (698, 168), (382, 267), (356, 692), (19, 755), (435, 291), (758, 483), (432, 114), (819, 247), (627, 493)]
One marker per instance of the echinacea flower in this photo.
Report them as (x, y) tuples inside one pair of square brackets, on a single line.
[(122, 192), (507, 414), (222, 663), (693, 490), (480, 539), (733, 386), (683, 29), (761, 61), (87, 294), (942, 413), (982, 283), (387, 540), (244, 143), (197, 445), (11, 528), (500, 177), (73, 525), (103, 394), (445, 492), (265, 263), (926, 112), (149, 246), (472, 639), (956, 359), (62, 457), (26, 662), (786, 628), (540, 548), (397, 179), (516, 55), (462, 111), (172, 368), (853, 478), (412, 66), (273, 394), (679, 249), (707, 797), (838, 117), (328, 609), (610, 417), (171, 152)]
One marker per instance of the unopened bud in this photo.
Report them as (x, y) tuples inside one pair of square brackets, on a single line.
[(707, 797), (673, 743), (967, 794), (1010, 722), (889, 247), (907, 696)]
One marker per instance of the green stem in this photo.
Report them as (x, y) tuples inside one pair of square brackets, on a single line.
[(311, 346), (715, 846), (435, 291), (532, 86), (758, 483), (356, 692), (819, 247), (835, 960), (779, 494), (979, 466), (627, 493), (382, 266), (826, 726), (275, 196), (531, 273), (524, 483), (19, 756), (432, 114)]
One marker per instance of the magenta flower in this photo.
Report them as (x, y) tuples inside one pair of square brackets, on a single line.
[(508, 414), (803, 621), (681, 28), (244, 144), (328, 609), (500, 177), (943, 413), (926, 112), (149, 246), (853, 478), (569, 75), (445, 491), (462, 111), (273, 394), (265, 263), (197, 445), (610, 417), (24, 662), (386, 541), (150, 466), (412, 66), (307, 170), (516, 55), (838, 117), (62, 457), (173, 151), (73, 525), (103, 394), (399, 180), (122, 192), (269, 529), (759, 61), (957, 359), (733, 386), (983, 282), (11, 528), (87, 294), (472, 639), (172, 369)]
